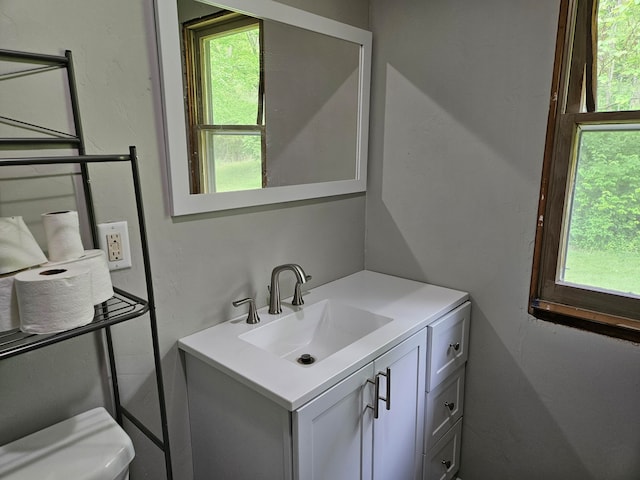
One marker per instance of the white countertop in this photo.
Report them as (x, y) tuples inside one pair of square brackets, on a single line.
[(412, 305)]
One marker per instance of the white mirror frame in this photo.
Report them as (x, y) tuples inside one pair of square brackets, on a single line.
[(182, 201)]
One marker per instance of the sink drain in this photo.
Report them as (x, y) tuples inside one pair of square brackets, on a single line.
[(306, 359)]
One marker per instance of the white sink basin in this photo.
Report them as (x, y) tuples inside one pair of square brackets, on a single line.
[(345, 324), (318, 330)]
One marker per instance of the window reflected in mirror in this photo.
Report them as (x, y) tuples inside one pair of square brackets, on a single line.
[(223, 61), (268, 104)]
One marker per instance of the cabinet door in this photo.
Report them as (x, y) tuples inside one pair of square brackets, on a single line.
[(332, 434), (398, 432)]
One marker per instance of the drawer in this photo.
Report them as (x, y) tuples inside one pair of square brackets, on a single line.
[(447, 348), (444, 407), (443, 460)]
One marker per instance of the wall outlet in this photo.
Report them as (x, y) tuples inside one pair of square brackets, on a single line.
[(114, 247), (113, 238)]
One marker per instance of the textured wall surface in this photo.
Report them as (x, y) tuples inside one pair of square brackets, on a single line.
[(460, 100), (200, 263), (459, 107)]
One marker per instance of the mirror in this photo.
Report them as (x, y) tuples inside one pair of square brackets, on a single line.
[(316, 106)]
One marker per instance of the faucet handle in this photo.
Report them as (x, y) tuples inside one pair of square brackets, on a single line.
[(297, 292), (252, 316)]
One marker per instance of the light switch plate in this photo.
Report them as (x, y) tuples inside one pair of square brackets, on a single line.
[(119, 255)]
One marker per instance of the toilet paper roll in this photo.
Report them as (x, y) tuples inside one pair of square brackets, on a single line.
[(54, 299), (96, 262), (63, 235), (18, 248), (9, 318)]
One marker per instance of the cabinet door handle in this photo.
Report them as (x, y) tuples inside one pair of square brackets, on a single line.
[(376, 392), (446, 463), (455, 346), (450, 406), (387, 398), (376, 396)]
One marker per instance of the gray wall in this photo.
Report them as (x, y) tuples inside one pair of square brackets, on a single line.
[(460, 100), (459, 109), (200, 263), (311, 111)]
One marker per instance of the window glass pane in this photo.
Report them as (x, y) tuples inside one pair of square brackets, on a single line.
[(618, 59), (233, 76), (233, 160), (603, 232)]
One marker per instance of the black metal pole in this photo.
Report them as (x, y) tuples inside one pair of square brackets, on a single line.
[(63, 159), (40, 142), (114, 376), (152, 310), (86, 181), (33, 57)]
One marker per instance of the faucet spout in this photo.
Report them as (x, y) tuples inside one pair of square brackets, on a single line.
[(274, 289)]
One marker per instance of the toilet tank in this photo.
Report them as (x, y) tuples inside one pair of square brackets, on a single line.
[(89, 446)]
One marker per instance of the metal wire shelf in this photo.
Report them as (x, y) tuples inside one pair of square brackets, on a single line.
[(121, 307)]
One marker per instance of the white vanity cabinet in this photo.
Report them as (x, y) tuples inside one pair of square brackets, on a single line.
[(257, 415), (336, 436), (238, 433)]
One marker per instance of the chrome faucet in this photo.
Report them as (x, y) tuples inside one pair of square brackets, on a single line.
[(274, 289)]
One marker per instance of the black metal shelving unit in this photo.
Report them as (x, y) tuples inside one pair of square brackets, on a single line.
[(123, 306)]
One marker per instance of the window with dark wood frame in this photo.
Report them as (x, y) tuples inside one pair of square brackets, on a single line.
[(573, 111)]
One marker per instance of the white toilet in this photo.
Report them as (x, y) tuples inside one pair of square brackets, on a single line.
[(89, 446)]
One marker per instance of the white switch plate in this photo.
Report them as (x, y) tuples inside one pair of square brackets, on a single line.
[(117, 228)]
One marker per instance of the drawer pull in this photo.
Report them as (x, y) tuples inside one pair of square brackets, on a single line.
[(450, 406), (447, 464), (376, 396), (387, 398), (376, 393), (455, 346)]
